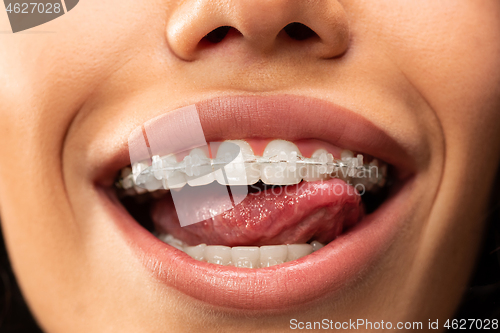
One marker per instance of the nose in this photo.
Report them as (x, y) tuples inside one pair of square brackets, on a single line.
[(316, 28)]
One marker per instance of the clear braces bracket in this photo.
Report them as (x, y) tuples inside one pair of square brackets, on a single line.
[(350, 168)]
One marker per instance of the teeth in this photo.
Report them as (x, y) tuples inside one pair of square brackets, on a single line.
[(296, 251), (360, 159), (136, 171), (172, 179), (236, 164), (345, 154), (196, 252), (216, 254), (176, 179), (315, 172), (348, 158), (198, 168), (237, 172), (125, 175), (245, 256), (152, 184), (273, 255), (171, 240), (156, 167), (316, 245), (281, 173)]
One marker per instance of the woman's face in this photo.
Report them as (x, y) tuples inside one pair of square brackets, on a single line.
[(413, 83)]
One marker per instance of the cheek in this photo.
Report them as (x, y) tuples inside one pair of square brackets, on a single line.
[(44, 80), (455, 64), (450, 52), (47, 75)]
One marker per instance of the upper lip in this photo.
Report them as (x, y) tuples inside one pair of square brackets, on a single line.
[(287, 117)]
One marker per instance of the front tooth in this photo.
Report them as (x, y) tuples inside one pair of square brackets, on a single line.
[(196, 252), (273, 255), (315, 172), (198, 175), (316, 245), (172, 179), (216, 254), (283, 173), (237, 172), (296, 251), (245, 256)]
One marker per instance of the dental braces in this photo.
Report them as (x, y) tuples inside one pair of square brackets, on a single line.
[(355, 169)]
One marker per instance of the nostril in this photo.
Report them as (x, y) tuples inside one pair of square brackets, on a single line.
[(217, 35), (299, 31)]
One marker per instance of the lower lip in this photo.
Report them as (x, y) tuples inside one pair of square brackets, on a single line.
[(324, 273)]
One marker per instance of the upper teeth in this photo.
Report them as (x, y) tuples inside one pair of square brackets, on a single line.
[(238, 172), (284, 170), (236, 164)]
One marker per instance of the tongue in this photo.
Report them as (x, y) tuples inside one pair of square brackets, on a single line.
[(287, 215)]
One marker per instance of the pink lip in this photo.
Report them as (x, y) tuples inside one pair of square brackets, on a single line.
[(325, 272)]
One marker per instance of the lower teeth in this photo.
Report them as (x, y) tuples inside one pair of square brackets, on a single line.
[(243, 256)]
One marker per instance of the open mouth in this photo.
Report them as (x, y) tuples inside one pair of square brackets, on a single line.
[(321, 200), (298, 198)]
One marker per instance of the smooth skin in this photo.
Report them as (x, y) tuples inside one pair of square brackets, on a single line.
[(71, 90)]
